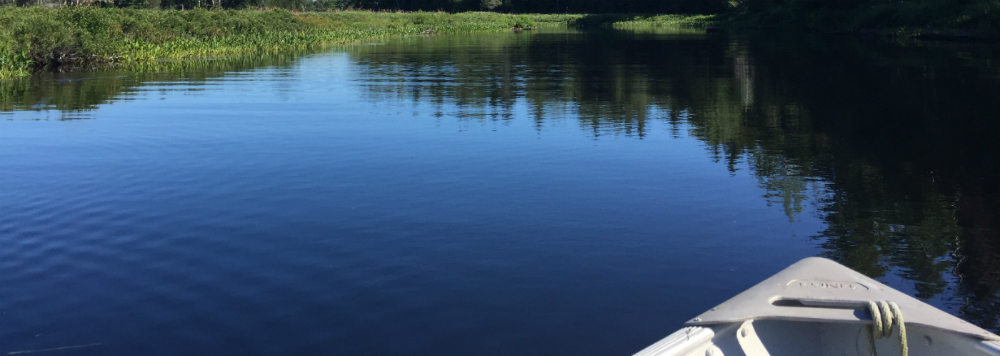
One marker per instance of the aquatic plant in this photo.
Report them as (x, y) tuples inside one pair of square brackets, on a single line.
[(15, 64)]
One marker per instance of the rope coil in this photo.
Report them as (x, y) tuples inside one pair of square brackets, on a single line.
[(885, 315)]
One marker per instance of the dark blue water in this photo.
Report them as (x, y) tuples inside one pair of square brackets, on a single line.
[(490, 194)]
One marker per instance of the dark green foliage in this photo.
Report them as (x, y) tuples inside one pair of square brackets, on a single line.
[(640, 20), (900, 17), (490, 4), (545, 6)]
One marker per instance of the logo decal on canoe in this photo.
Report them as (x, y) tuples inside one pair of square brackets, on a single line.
[(826, 284)]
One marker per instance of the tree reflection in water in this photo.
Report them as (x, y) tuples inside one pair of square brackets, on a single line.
[(892, 142)]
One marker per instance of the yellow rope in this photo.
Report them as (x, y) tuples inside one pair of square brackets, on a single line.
[(884, 316)]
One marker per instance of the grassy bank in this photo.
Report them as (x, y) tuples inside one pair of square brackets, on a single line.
[(34, 38)]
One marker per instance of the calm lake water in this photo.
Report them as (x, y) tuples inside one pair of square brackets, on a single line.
[(556, 192)]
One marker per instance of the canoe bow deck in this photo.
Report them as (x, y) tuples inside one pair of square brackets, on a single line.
[(819, 307)]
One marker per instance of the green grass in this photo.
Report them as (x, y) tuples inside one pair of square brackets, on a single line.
[(33, 38)]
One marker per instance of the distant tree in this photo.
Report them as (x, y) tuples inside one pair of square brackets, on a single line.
[(490, 4)]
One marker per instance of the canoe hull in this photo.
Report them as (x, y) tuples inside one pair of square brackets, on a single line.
[(819, 307)]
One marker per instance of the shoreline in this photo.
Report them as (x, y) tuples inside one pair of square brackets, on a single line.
[(38, 39)]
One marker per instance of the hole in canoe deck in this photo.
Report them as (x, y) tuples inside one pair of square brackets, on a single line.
[(779, 302), (788, 303), (857, 308)]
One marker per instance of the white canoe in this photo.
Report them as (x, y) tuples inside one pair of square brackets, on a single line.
[(818, 307)]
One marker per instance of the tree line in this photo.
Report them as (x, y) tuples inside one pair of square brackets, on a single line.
[(546, 6), (506, 6), (833, 15)]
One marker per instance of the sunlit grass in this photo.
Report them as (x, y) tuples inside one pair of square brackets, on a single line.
[(36, 37)]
